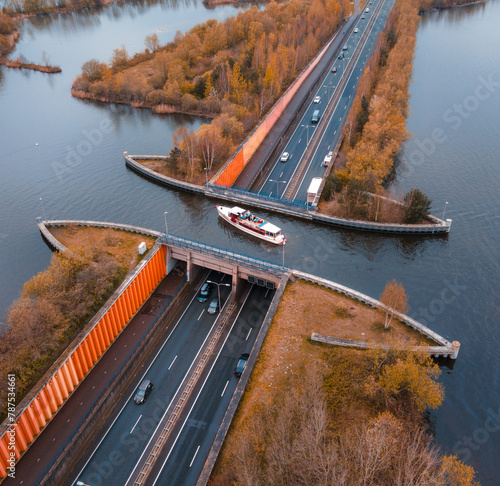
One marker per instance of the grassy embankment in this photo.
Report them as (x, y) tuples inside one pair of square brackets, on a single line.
[(315, 414), (376, 126), (231, 71), (56, 304)]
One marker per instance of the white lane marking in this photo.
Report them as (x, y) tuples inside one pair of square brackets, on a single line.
[(248, 335), (194, 457), (223, 391), (201, 314), (136, 423), (299, 140), (133, 392), (335, 132), (173, 361), (202, 386), (281, 174), (271, 193)]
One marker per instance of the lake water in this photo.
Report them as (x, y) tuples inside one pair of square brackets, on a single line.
[(78, 170)]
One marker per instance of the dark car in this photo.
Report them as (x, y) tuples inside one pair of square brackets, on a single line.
[(213, 307), (145, 388), (240, 365), (205, 291)]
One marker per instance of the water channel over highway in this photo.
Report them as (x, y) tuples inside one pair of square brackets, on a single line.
[(69, 153)]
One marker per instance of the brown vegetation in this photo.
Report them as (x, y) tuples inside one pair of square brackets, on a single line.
[(8, 34), (394, 296), (58, 302), (54, 305), (314, 414), (232, 71), (29, 65), (37, 7), (120, 245), (376, 125)]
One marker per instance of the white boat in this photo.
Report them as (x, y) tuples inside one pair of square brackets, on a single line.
[(251, 224)]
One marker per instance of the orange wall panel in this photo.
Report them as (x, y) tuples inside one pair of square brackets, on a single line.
[(77, 365), (4, 454), (35, 420), (106, 333)]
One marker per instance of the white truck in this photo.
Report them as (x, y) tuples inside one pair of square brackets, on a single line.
[(312, 191)]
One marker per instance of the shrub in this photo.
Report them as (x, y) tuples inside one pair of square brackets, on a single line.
[(417, 206)]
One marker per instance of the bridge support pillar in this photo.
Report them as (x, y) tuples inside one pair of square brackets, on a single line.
[(236, 281), (169, 261), (192, 269)]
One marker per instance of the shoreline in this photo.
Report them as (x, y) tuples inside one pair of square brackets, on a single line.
[(435, 228)]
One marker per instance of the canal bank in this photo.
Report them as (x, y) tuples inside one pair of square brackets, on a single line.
[(436, 226), (65, 376), (451, 282)]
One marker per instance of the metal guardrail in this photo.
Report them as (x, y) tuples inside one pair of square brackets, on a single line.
[(263, 196), (226, 255), (82, 423), (181, 402)]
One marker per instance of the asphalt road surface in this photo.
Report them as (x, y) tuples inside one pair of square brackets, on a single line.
[(280, 177), (117, 456)]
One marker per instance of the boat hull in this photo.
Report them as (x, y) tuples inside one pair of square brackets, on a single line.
[(224, 214)]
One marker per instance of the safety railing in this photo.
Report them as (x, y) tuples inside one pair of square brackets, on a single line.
[(119, 371), (221, 253)]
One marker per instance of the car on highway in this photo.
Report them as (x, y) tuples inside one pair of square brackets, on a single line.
[(145, 388), (284, 157), (334, 69), (317, 99), (341, 56), (213, 307), (205, 291), (327, 159), (240, 365), (345, 47), (367, 10), (356, 30), (363, 17)]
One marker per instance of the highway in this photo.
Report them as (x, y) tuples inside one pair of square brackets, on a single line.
[(182, 465), (338, 87), (117, 455)]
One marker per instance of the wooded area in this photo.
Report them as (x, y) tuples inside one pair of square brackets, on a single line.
[(315, 414), (14, 7), (54, 306), (376, 126), (350, 418), (232, 71)]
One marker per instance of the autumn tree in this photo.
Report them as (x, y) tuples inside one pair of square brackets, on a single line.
[(151, 41), (187, 141), (119, 58), (210, 144), (395, 298), (93, 70), (415, 376)]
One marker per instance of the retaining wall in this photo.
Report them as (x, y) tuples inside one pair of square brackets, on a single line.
[(445, 348), (43, 402), (240, 389), (228, 174)]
